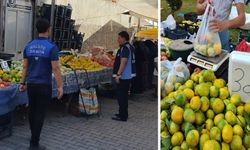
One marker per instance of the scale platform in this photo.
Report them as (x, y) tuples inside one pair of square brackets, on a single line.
[(212, 63)]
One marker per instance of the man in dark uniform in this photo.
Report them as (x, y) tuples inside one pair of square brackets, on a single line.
[(123, 72), (40, 60)]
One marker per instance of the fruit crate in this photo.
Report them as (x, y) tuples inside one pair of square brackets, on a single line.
[(176, 34)]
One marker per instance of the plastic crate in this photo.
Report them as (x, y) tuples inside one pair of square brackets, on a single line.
[(60, 10), (176, 34), (58, 23)]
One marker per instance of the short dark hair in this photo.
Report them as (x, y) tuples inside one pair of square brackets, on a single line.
[(124, 34), (42, 25)]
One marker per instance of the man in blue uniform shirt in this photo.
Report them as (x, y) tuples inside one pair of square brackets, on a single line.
[(123, 72), (40, 60)]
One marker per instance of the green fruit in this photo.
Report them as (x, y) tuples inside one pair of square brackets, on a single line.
[(163, 115), (246, 141), (177, 139), (231, 107), (241, 121), (240, 110), (218, 106), (162, 125), (202, 89), (173, 127), (210, 114), (199, 118), (176, 148), (224, 93), (236, 143), (208, 75), (221, 124), (227, 133), (218, 118), (190, 84), (225, 146), (203, 139), (231, 118), (192, 138), (214, 91), (209, 124), (184, 146), (189, 115), (176, 86), (215, 134), (204, 104), (180, 100), (235, 99)]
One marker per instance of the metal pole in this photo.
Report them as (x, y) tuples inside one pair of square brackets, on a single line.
[(52, 17)]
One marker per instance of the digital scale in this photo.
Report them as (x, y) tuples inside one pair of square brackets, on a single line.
[(213, 63)]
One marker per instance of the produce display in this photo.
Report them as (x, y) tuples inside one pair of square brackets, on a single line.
[(201, 114), (65, 70), (104, 59), (80, 63), (14, 74), (165, 54), (4, 85)]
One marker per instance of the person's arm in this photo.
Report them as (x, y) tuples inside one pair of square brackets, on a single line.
[(57, 72), (124, 61), (123, 64), (24, 71), (219, 26)]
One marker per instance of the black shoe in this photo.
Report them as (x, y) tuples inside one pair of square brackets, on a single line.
[(118, 119), (117, 115), (39, 147)]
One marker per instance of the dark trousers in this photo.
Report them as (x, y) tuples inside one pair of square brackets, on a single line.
[(122, 96), (39, 97)]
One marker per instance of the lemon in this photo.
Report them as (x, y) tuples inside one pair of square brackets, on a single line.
[(247, 108), (192, 138), (177, 115), (202, 89), (177, 86), (238, 130), (231, 107), (184, 146), (227, 133), (199, 118), (173, 127), (224, 93), (235, 99), (215, 134), (171, 95), (180, 99), (241, 121), (218, 118), (164, 134), (201, 79), (208, 75), (204, 104), (240, 110), (177, 139), (211, 145), (209, 124), (231, 118), (187, 106), (203, 139), (236, 143), (163, 115), (221, 124), (211, 102), (189, 84), (246, 141), (176, 148), (210, 114), (182, 87), (225, 146), (193, 75), (162, 125), (188, 93), (219, 83), (214, 91), (189, 115), (195, 103), (218, 106)]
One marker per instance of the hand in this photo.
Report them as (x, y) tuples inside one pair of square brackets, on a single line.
[(117, 79), (59, 92), (22, 88), (217, 26)]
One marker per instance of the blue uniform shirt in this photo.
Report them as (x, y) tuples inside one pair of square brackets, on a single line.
[(40, 52)]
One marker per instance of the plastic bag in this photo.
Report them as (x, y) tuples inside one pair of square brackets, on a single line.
[(170, 22), (172, 73), (207, 42)]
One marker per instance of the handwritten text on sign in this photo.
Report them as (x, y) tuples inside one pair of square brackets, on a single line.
[(239, 71)]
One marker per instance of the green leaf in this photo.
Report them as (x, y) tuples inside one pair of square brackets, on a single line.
[(200, 128), (166, 142), (247, 118), (188, 127), (167, 122)]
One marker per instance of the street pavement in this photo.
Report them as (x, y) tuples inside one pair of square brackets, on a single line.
[(97, 133)]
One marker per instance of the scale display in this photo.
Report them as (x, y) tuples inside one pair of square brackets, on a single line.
[(212, 63)]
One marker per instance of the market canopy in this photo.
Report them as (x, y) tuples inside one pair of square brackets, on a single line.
[(151, 34)]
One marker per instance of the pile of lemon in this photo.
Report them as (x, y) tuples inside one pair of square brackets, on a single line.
[(80, 63), (201, 114), (13, 75)]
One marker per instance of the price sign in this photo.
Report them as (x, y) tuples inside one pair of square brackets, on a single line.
[(239, 75), (4, 65)]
